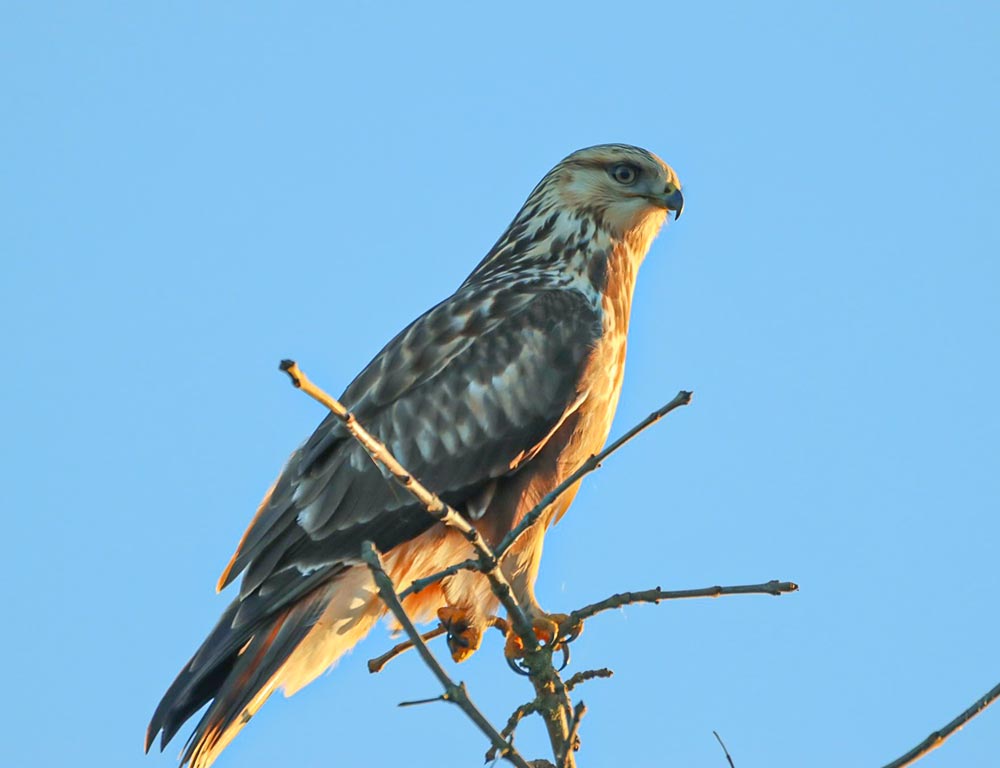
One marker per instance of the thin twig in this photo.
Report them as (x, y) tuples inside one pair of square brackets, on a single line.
[(512, 722), (433, 503), (682, 398), (721, 744), (418, 585), (455, 693), (938, 738), (418, 702), (376, 664), (587, 674), (573, 741), (772, 587)]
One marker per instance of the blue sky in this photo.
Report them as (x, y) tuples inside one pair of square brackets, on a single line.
[(190, 192)]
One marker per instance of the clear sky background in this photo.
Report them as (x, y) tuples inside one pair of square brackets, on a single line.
[(191, 191)]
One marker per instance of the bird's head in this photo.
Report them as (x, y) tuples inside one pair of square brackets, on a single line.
[(628, 190), (596, 197)]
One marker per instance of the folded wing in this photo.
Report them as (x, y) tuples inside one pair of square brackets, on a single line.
[(461, 398)]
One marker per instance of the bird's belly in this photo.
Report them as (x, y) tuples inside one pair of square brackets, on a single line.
[(601, 379)]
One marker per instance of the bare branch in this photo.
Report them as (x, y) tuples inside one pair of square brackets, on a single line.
[(431, 501), (556, 706), (455, 693), (772, 587), (552, 701), (729, 757), (938, 738), (537, 659), (682, 398), (587, 674)]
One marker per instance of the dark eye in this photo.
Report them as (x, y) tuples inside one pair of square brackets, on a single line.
[(624, 173)]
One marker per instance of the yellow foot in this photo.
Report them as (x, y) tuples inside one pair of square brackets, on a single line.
[(551, 629), (464, 637)]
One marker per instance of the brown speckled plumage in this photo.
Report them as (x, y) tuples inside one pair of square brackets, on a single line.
[(490, 398)]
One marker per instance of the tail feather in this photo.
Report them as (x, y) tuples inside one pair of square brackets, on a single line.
[(251, 681), (200, 679), (238, 667)]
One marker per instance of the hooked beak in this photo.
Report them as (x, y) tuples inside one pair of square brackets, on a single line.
[(672, 200)]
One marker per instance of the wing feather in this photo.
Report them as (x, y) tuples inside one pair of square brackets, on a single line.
[(461, 397)]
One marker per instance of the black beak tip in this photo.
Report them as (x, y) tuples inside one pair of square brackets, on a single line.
[(674, 201)]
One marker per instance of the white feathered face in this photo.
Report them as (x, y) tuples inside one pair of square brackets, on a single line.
[(629, 189)]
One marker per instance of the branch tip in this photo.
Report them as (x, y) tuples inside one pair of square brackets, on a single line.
[(589, 674), (729, 758), (418, 702), (292, 369)]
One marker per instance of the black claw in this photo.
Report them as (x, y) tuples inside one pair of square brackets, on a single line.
[(565, 661), (574, 634), (517, 666)]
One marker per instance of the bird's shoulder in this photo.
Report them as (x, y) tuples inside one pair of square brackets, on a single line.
[(497, 313)]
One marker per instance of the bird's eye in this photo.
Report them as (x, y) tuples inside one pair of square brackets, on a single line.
[(624, 173)]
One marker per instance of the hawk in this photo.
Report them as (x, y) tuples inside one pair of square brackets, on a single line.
[(491, 398)]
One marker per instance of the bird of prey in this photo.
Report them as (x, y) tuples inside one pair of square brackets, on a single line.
[(491, 398)]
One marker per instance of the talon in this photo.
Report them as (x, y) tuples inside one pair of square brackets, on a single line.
[(516, 666), (464, 638), (549, 631), (513, 648), (573, 631), (562, 630), (564, 647)]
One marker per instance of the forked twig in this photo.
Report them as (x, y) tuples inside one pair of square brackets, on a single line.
[(773, 587), (453, 692), (537, 660), (552, 698), (573, 742)]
